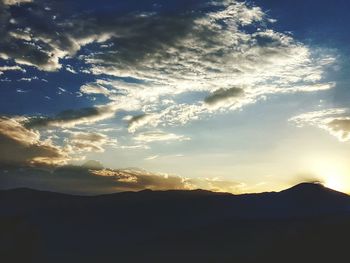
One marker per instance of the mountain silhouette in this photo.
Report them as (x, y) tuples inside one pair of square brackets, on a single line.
[(306, 223)]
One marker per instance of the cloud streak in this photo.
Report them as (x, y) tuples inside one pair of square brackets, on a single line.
[(71, 118), (158, 136), (11, 68), (221, 95)]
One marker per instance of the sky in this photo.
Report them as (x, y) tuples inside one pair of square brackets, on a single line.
[(226, 95)]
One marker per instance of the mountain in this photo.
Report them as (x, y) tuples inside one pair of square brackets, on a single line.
[(306, 223)]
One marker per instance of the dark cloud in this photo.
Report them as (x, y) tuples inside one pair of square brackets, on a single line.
[(70, 118), (82, 180), (137, 118), (306, 178), (92, 164), (142, 38), (91, 179), (22, 146), (340, 125), (223, 94), (27, 40), (69, 26), (164, 48)]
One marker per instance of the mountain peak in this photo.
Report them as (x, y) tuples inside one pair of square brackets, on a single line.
[(308, 186), (313, 191)]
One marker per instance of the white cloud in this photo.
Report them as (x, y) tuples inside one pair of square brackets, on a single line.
[(70, 69), (336, 121), (11, 68), (152, 157), (29, 79), (217, 55), (94, 88), (155, 136), (209, 53)]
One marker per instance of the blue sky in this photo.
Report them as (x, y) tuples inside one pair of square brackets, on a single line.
[(224, 95)]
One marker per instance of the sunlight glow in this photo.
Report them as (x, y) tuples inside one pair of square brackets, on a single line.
[(334, 183), (332, 173)]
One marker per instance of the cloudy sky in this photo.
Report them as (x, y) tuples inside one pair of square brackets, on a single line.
[(227, 95)]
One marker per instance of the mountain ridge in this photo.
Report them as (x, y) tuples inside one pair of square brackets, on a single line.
[(174, 226), (300, 187)]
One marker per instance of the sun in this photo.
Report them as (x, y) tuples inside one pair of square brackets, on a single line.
[(334, 183), (334, 178), (331, 172)]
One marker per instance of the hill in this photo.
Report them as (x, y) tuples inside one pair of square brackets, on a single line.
[(306, 223)]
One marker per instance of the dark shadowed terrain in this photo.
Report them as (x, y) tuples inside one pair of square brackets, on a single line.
[(306, 223)]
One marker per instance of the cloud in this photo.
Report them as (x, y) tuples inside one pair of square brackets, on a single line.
[(11, 68), (334, 120), (89, 141), (212, 53), (223, 94), (29, 79), (28, 41), (70, 69), (94, 88), (341, 126), (137, 121), (147, 60), (16, 2), (152, 157), (68, 29), (135, 147), (71, 118), (87, 181), (22, 146), (156, 136), (307, 88), (92, 164)]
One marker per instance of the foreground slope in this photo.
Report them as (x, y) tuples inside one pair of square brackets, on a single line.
[(306, 223)]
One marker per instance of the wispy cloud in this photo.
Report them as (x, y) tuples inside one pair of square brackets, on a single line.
[(216, 56), (334, 120), (152, 157), (11, 68), (89, 141), (156, 136)]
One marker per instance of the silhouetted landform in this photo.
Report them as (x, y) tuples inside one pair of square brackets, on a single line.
[(306, 223)]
